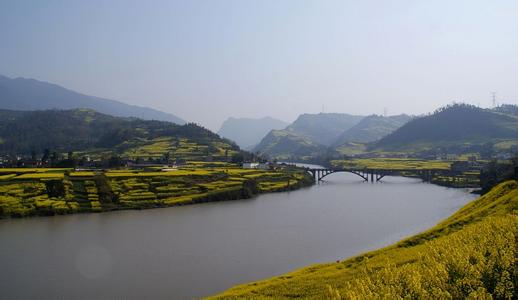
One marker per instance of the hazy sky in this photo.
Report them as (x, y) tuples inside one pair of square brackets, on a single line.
[(209, 60)]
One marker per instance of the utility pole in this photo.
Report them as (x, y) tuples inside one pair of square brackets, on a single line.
[(494, 99), (385, 111)]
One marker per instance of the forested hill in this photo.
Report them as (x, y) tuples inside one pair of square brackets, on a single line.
[(30, 94), (507, 109), (83, 129), (307, 138), (455, 124), (372, 128), (323, 128), (286, 145)]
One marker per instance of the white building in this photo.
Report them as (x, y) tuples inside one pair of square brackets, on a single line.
[(250, 165)]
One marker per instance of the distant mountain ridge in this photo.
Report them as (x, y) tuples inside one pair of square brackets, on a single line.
[(31, 94), (248, 132), (457, 128)]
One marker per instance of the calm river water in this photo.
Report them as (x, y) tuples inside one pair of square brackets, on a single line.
[(198, 250)]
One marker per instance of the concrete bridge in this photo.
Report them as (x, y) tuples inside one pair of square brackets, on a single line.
[(375, 175)]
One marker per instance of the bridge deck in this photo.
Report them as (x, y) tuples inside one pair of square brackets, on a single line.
[(376, 174)]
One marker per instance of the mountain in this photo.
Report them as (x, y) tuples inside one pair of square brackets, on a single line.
[(31, 94), (455, 125), (323, 128), (371, 128), (248, 132), (286, 145), (88, 131), (309, 136)]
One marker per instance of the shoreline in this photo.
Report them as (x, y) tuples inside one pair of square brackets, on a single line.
[(310, 276)]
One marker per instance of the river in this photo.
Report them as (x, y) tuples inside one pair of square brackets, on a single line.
[(192, 251)]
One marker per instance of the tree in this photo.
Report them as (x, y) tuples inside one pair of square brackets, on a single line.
[(237, 158), (55, 188), (33, 156), (46, 156), (496, 172), (167, 157), (54, 158), (114, 161), (105, 192)]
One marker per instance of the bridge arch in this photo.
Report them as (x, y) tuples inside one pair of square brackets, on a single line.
[(365, 176), (375, 175)]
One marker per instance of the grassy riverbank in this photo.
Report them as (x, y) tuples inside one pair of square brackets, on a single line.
[(472, 253), (30, 192)]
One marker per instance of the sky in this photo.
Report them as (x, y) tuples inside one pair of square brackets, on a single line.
[(209, 60)]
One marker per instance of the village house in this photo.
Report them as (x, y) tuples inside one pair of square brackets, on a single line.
[(250, 165)]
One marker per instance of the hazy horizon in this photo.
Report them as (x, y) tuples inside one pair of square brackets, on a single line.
[(206, 61)]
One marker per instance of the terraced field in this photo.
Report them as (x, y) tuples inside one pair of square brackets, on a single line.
[(393, 163), (177, 148), (62, 191)]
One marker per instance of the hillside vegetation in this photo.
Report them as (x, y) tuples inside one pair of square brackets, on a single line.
[(458, 127), (454, 129), (314, 136), (90, 132), (323, 128), (371, 128), (472, 254), (307, 138), (285, 145)]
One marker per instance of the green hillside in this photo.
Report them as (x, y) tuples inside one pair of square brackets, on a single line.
[(456, 126), (90, 132), (286, 145), (507, 109), (371, 128), (323, 128), (470, 255)]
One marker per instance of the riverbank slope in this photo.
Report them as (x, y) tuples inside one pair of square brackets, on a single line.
[(472, 253)]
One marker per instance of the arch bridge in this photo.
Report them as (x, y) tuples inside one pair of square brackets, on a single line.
[(373, 175)]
